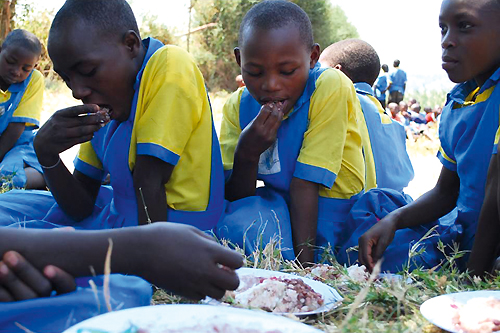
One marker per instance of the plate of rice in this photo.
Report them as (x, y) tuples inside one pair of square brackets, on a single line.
[(465, 312), (189, 318), (280, 293)]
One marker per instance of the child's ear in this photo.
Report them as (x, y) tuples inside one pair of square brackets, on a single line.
[(132, 42), (237, 55), (315, 52), (338, 66)]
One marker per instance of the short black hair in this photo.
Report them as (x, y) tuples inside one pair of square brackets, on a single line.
[(359, 60), (274, 14), (25, 39), (396, 63), (110, 17), (385, 68)]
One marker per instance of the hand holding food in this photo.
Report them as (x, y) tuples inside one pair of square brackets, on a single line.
[(261, 133), (66, 128)]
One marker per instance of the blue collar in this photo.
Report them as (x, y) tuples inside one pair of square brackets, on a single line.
[(462, 90), (314, 73), (363, 88)]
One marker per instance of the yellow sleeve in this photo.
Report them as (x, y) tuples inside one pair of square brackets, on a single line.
[(30, 106), (332, 110), (230, 128), (171, 106), (88, 163)]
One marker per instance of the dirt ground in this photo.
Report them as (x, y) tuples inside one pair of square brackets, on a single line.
[(422, 152)]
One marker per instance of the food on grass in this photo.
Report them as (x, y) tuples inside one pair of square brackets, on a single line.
[(275, 294), (478, 315)]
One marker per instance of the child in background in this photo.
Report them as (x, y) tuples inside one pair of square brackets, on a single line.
[(471, 57), (159, 147), (385, 150), (398, 83), (21, 98), (381, 86), (295, 127), (179, 258)]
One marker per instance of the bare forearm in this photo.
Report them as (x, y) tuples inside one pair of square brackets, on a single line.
[(70, 194), (243, 180), (304, 218), (432, 205), (77, 251), (9, 137), (151, 203)]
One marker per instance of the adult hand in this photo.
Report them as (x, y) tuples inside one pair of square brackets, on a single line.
[(186, 261), (66, 128), (261, 133), (19, 280), (374, 242)]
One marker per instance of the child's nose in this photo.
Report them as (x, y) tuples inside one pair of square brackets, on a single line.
[(447, 40), (79, 90), (272, 84)]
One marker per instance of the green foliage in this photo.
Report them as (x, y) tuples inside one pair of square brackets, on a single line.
[(428, 98), (214, 50), (151, 27)]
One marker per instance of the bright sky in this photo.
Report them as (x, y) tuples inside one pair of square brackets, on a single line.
[(398, 29)]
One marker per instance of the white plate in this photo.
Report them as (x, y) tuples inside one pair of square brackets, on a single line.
[(188, 318), (331, 297), (439, 311)]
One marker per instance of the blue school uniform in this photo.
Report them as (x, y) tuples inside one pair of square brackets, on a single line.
[(387, 139), (309, 146), (194, 196), (398, 79), (467, 131), (22, 104), (58, 313), (380, 87)]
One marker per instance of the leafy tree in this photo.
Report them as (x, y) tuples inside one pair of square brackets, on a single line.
[(214, 53)]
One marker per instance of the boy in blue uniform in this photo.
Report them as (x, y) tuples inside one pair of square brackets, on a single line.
[(398, 83), (381, 86), (21, 98), (159, 147), (471, 57), (294, 126), (387, 162)]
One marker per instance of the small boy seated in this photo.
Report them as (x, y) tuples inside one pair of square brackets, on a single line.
[(295, 127), (21, 98), (384, 140), (146, 121)]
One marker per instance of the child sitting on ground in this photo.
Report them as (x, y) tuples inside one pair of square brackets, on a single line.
[(467, 130), (21, 98), (387, 161), (159, 147), (295, 127)]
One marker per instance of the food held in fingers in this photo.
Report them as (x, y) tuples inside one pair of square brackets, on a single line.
[(103, 116)]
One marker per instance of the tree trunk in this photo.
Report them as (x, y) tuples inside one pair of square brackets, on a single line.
[(8, 8)]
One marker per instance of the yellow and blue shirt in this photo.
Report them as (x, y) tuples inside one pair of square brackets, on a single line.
[(467, 132), (384, 144), (172, 121), (318, 141)]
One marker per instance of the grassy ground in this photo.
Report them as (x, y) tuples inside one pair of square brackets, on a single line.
[(367, 306)]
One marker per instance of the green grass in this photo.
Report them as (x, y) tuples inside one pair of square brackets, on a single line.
[(373, 306)]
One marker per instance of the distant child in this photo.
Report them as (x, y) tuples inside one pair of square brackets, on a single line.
[(239, 81), (21, 98), (385, 151), (381, 86), (146, 121), (467, 131), (398, 83), (295, 127)]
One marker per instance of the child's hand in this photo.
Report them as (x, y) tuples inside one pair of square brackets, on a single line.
[(261, 133), (186, 261), (19, 280), (374, 242), (66, 128)]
